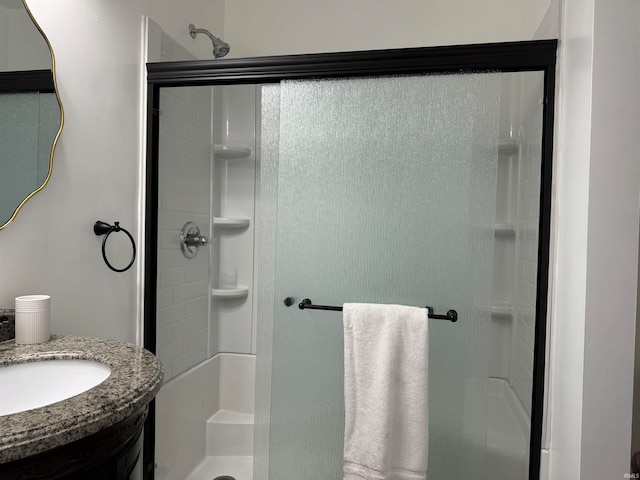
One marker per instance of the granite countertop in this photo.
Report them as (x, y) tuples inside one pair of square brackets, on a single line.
[(136, 376)]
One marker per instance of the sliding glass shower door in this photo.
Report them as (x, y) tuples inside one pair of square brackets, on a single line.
[(382, 190)]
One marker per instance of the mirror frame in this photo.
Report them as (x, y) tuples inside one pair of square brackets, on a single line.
[(524, 56), (34, 80)]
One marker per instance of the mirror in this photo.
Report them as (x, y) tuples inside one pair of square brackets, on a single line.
[(31, 114)]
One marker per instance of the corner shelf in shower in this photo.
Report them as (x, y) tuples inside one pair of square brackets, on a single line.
[(508, 147), (229, 152), (504, 228), (231, 222), (502, 309), (230, 292)]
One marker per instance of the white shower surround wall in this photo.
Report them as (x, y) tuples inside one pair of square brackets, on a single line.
[(224, 382), (234, 195), (516, 248), (530, 133), (508, 425), (184, 195), (222, 385), (195, 185)]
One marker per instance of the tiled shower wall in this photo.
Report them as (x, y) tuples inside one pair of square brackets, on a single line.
[(527, 234), (184, 195)]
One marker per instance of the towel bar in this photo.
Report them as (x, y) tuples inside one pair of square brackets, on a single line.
[(451, 315)]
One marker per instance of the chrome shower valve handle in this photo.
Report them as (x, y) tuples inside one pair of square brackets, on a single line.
[(196, 240), (191, 240)]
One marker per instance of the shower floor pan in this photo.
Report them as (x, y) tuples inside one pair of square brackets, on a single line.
[(229, 447), (240, 468), (507, 434)]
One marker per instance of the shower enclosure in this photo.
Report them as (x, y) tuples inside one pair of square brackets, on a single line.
[(417, 177)]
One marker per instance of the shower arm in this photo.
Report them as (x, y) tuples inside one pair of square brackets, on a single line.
[(193, 31)]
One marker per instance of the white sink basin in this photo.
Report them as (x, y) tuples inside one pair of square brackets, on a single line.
[(25, 386)]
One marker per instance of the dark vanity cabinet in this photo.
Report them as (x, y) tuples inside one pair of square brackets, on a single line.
[(111, 454)]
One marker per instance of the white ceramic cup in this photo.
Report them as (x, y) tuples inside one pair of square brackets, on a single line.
[(32, 319)]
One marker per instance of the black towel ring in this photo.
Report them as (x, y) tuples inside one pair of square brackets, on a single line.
[(102, 228)]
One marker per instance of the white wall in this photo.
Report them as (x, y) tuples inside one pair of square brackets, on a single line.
[(50, 247), (21, 45), (593, 297), (278, 27), (614, 192), (635, 430), (4, 42)]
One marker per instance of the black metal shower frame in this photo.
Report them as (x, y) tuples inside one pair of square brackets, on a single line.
[(537, 55)]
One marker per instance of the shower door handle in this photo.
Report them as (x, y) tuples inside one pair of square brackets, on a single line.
[(191, 240)]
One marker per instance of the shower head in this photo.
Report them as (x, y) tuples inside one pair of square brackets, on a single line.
[(220, 48)]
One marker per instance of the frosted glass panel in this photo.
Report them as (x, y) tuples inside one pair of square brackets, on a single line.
[(386, 194)]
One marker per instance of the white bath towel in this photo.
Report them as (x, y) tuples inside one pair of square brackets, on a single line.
[(385, 392)]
